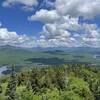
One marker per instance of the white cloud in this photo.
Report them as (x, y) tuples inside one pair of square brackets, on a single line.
[(45, 16), (54, 37), (76, 8), (29, 3), (57, 33), (12, 38), (61, 25), (71, 34), (91, 36)]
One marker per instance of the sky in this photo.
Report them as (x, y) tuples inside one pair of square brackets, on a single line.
[(50, 23)]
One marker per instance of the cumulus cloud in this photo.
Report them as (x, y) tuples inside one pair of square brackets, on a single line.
[(12, 38), (75, 8), (91, 36), (30, 5), (45, 16), (61, 24), (62, 27)]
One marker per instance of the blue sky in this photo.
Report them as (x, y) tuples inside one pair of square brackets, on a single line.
[(50, 23), (15, 19)]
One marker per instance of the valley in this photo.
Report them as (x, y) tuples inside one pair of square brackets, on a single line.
[(27, 57)]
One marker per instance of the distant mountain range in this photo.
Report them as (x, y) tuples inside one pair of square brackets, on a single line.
[(86, 49)]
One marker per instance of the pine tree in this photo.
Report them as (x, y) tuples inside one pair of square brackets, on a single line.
[(34, 80), (11, 88), (28, 86)]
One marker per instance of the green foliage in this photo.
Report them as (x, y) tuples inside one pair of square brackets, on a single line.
[(63, 82), (11, 88), (51, 95), (28, 95), (80, 88), (70, 95)]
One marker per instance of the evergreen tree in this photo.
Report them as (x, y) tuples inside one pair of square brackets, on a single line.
[(34, 80), (11, 88), (28, 85)]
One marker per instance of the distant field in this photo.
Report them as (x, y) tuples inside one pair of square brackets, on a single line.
[(9, 56)]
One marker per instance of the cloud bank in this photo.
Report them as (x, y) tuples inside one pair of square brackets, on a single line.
[(62, 27)]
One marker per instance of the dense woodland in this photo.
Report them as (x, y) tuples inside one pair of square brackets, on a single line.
[(61, 82)]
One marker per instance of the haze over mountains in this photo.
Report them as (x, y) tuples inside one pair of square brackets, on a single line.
[(46, 56)]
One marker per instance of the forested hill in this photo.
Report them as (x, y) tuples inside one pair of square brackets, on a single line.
[(63, 82)]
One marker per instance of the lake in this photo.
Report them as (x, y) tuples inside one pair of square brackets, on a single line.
[(2, 69)]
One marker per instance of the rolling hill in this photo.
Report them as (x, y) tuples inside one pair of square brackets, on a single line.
[(20, 56)]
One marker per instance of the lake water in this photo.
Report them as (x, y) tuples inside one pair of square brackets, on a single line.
[(2, 69)]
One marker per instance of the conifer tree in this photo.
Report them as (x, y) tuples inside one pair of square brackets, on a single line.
[(34, 80), (11, 88), (28, 86)]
